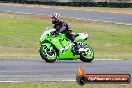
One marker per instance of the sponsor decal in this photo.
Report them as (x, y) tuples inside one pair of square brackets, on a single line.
[(83, 78)]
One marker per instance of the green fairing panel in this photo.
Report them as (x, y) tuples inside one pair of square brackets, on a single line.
[(55, 42), (68, 54), (47, 44), (61, 41)]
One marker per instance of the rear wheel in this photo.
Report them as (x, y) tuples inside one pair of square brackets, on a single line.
[(48, 53), (87, 56)]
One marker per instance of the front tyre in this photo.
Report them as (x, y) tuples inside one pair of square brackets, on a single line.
[(87, 56), (48, 53)]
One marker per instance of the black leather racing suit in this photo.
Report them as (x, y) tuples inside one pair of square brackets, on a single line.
[(62, 27)]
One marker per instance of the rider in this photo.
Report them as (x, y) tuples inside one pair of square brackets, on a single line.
[(62, 27)]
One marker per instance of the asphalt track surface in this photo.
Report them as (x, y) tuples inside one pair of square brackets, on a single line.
[(87, 15), (39, 70)]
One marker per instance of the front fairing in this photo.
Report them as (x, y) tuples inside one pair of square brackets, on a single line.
[(46, 33)]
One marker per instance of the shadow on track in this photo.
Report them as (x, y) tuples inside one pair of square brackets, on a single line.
[(67, 61)]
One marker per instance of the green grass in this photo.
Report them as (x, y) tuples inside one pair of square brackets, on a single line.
[(60, 85), (19, 36)]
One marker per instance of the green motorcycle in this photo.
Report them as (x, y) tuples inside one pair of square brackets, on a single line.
[(58, 47)]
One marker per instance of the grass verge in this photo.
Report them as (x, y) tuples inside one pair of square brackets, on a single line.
[(61, 85), (19, 36)]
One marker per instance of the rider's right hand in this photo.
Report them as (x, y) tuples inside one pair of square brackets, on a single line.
[(52, 33)]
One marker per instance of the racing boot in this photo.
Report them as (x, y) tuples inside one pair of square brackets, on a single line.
[(76, 48)]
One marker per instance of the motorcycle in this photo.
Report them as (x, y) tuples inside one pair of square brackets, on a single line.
[(58, 47)]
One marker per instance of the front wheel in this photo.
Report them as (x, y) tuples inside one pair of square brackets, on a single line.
[(48, 53), (87, 56)]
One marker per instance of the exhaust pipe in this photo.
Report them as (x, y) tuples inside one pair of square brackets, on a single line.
[(83, 49)]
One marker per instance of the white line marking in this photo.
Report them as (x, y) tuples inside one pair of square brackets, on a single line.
[(103, 59), (39, 81), (9, 81), (62, 80), (101, 21), (42, 6), (72, 17)]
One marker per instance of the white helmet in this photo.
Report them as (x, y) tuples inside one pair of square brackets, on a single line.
[(56, 16)]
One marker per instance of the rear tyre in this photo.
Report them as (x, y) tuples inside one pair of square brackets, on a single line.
[(47, 54), (87, 56)]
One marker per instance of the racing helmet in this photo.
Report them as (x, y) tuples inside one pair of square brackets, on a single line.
[(55, 16)]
